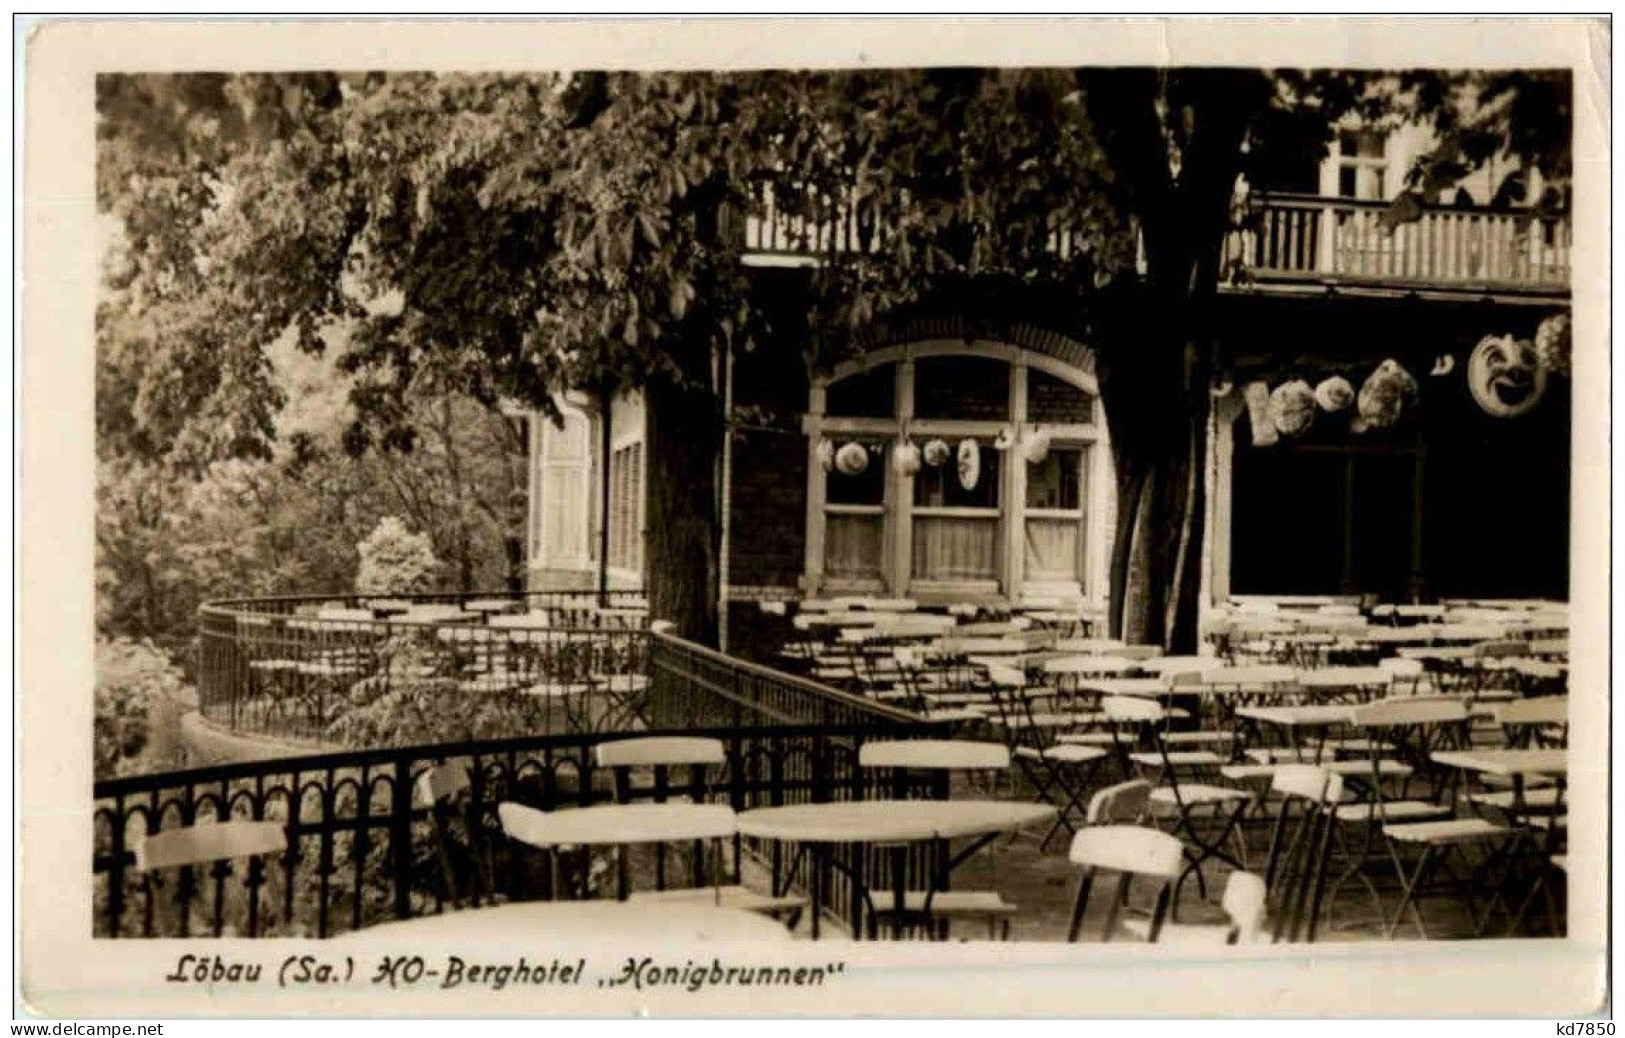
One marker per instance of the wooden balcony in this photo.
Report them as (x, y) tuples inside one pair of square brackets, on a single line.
[(1310, 240), (1290, 242)]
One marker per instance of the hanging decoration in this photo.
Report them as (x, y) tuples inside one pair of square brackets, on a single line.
[(1292, 407), (905, 458), (826, 453), (1554, 344), (1334, 394), (1036, 447), (970, 464), (1505, 376), (1257, 395), (1005, 440), (1383, 397), (936, 453), (852, 459)]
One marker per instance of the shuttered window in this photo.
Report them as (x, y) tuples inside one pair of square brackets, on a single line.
[(625, 508)]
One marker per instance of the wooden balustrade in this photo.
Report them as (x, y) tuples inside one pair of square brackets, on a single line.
[(1290, 237), (1306, 237)]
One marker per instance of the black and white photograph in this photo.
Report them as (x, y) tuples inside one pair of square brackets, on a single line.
[(802, 511)]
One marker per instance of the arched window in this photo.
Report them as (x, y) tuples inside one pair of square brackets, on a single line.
[(1009, 495)]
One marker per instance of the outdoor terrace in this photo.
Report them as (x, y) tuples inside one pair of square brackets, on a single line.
[(927, 774)]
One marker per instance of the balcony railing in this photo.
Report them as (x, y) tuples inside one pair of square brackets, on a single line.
[(1303, 238), (773, 235), (1331, 240), (364, 848), (295, 667), (541, 663)]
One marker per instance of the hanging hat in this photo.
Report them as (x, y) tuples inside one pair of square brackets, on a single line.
[(851, 459), (1036, 447), (1383, 397), (1257, 395), (1334, 394), (1005, 440), (1505, 376), (936, 452), (1292, 407), (905, 458), (1554, 344), (970, 463), (826, 453)]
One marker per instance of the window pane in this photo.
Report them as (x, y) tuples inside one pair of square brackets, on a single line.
[(1051, 400), (1347, 182), (1055, 482), (852, 546), (1052, 549), (938, 486), (866, 488), (968, 388), (955, 548), (867, 394)]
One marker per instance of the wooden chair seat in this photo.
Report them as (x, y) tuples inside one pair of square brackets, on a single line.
[(1086, 738), (1179, 759), (1198, 738), (1065, 752), (1542, 796), (1198, 793), (1401, 809), (1449, 830)]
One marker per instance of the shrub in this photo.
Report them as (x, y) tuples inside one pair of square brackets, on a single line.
[(136, 686), (396, 561)]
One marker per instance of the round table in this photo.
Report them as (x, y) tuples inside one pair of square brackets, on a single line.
[(893, 824), (585, 921)]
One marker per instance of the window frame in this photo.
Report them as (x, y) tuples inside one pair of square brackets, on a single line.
[(899, 510)]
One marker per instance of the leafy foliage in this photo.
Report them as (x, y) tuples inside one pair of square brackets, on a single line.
[(135, 684), (395, 561), (484, 237)]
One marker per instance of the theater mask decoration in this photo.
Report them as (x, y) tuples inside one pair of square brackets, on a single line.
[(1384, 397), (1005, 440), (826, 453), (1257, 395), (936, 453), (1505, 376), (1334, 394), (852, 459), (970, 464), (1036, 446), (905, 458), (1554, 344), (1292, 407)]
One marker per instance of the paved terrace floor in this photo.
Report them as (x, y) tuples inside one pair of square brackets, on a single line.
[(1043, 883)]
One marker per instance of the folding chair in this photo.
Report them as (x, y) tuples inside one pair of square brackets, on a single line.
[(443, 791), (1033, 720), (1129, 851), (902, 760), (216, 843), (662, 754), (1296, 869), (1413, 730), (1147, 719), (1125, 803)]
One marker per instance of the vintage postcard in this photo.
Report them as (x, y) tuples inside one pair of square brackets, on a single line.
[(815, 517)]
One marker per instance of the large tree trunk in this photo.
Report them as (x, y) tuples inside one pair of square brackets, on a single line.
[(1158, 413), (1156, 370), (683, 538)]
